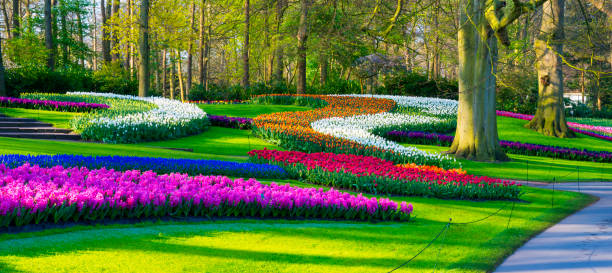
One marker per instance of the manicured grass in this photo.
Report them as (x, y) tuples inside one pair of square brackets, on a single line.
[(58, 119), (543, 169), (296, 246), (248, 110), (513, 130), (33, 146), (217, 140), (592, 121)]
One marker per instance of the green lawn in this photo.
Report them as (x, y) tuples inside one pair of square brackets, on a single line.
[(58, 119), (248, 110), (217, 140), (540, 168), (513, 130), (296, 246)]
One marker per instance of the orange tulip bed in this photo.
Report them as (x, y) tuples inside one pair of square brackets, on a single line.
[(293, 131)]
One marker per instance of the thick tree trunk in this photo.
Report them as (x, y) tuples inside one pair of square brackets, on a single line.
[(302, 37), (114, 37), (106, 57), (16, 19), (3, 92), (7, 22), (189, 54), (143, 47), (278, 69), (202, 42), (49, 36), (550, 114), (476, 136), (245, 49)]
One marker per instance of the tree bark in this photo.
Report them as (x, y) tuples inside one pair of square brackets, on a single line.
[(245, 50), (94, 57), (143, 46), (550, 115), (323, 67), (3, 92), (64, 33), (164, 74), (476, 136), (172, 68), (302, 37), (106, 57), (180, 76), (278, 70), (16, 19), (202, 42), (189, 54), (81, 58), (114, 37), (49, 36)]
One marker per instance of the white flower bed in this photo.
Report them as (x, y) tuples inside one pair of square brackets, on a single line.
[(433, 106), (170, 119), (359, 129)]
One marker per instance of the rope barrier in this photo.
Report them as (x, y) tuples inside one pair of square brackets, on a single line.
[(428, 245)]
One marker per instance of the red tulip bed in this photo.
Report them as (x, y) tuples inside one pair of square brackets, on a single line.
[(374, 175), (34, 195)]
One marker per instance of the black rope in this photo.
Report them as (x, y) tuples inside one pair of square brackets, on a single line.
[(486, 217), (428, 245)]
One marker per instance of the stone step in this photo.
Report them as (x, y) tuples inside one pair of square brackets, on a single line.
[(52, 136), (34, 130), (24, 124), (11, 119)]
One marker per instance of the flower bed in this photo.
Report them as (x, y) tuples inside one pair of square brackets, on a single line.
[(158, 165), (576, 127), (50, 105), (118, 106), (231, 122), (508, 146), (293, 130), (34, 195), (171, 119), (378, 176), (422, 105)]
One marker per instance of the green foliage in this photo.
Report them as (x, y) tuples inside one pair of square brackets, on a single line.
[(236, 92), (113, 78), (35, 78), (416, 84), (27, 50), (518, 92)]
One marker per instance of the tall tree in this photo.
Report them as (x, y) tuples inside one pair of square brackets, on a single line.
[(106, 56), (202, 37), (245, 50), (143, 49), (482, 23), (49, 36), (278, 69), (302, 36), (189, 51), (550, 114), (64, 33), (114, 37), (16, 18), (2, 80)]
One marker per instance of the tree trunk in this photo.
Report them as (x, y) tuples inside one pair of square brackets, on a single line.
[(143, 46), (245, 50), (94, 57), (3, 92), (278, 70), (189, 54), (7, 22), (81, 58), (106, 58), (179, 72), (172, 68), (126, 61), (550, 114), (476, 136), (114, 38), (16, 19), (302, 36), (64, 33), (49, 36), (164, 74), (202, 37), (323, 67)]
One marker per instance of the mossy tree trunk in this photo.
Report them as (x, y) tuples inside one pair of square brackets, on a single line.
[(482, 24), (143, 50), (550, 115)]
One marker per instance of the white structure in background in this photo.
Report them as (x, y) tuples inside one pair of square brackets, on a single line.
[(576, 97)]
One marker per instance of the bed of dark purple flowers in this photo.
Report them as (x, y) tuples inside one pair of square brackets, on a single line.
[(158, 165), (231, 122), (416, 137), (64, 106)]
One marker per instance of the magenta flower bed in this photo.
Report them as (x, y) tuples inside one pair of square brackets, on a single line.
[(375, 175), (50, 105), (576, 127), (33, 195)]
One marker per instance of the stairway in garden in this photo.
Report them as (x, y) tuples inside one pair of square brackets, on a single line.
[(31, 128)]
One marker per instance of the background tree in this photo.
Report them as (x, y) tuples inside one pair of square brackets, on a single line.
[(143, 47)]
